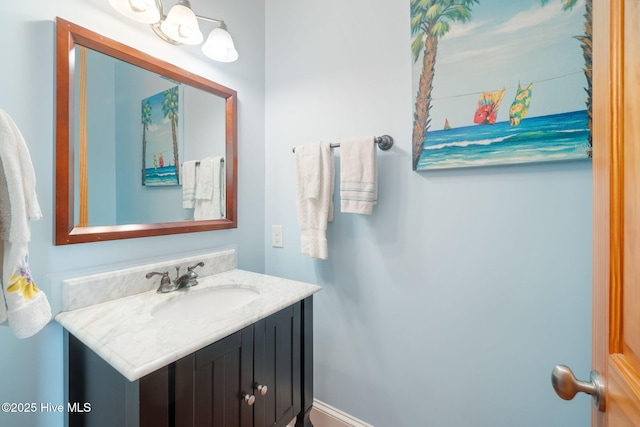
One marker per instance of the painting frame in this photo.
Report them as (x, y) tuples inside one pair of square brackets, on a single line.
[(469, 56), (162, 137)]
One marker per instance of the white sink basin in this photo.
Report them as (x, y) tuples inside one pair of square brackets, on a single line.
[(199, 303)]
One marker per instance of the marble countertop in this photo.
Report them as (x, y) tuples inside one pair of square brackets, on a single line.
[(125, 334)]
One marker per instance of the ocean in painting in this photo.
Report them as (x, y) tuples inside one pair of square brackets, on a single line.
[(165, 175), (538, 139)]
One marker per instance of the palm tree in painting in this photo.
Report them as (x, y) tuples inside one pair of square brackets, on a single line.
[(146, 121), (586, 44), (429, 22), (170, 111)]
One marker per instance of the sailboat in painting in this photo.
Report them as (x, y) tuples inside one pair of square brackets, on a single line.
[(520, 105), (447, 126), (487, 109)]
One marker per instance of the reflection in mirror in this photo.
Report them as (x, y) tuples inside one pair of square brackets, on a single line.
[(131, 154), (136, 138)]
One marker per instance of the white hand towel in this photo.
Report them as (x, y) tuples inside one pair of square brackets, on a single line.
[(310, 171), (188, 184), (21, 302), (314, 193), (358, 175), (210, 189), (20, 178)]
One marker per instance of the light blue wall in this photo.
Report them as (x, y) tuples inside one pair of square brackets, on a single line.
[(450, 305), (32, 368), (447, 307)]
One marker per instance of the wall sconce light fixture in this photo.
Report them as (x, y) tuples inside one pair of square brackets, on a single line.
[(180, 26)]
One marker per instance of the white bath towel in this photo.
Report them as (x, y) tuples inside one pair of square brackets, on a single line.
[(189, 184), (314, 194), (358, 175), (5, 207), (22, 304), (20, 178), (210, 189)]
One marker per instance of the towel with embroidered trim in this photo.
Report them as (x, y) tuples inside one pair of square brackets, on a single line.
[(23, 306), (358, 175)]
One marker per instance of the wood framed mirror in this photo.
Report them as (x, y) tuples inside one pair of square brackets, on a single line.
[(74, 192)]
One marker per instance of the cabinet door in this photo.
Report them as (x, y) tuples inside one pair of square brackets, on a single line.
[(210, 384), (277, 366)]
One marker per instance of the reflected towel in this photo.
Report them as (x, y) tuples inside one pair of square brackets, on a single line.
[(22, 304), (210, 189), (358, 175), (314, 193), (189, 184)]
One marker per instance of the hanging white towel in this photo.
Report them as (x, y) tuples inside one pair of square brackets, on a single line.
[(5, 207), (210, 189), (358, 175), (189, 184), (314, 194), (22, 304)]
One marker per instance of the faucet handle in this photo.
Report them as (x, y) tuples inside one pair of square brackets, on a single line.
[(155, 273), (165, 281), (192, 274), (200, 264)]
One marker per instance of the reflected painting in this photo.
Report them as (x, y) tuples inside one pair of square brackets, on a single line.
[(160, 154), (500, 82)]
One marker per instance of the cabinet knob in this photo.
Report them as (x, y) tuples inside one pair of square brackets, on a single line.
[(262, 389), (249, 398)]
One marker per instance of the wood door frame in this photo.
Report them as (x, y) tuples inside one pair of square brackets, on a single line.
[(608, 190)]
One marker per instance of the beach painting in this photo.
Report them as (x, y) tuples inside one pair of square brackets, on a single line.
[(500, 82), (161, 138)]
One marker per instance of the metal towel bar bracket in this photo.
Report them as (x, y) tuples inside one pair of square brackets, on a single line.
[(384, 142)]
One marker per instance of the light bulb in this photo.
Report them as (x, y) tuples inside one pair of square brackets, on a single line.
[(144, 11)]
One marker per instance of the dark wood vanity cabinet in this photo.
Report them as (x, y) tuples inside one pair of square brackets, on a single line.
[(276, 368), (210, 385), (260, 376)]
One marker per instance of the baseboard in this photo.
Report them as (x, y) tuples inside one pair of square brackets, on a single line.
[(323, 415)]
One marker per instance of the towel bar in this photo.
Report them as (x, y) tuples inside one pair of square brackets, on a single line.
[(198, 162), (384, 142)]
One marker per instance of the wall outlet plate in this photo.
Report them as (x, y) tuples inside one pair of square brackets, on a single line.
[(276, 236)]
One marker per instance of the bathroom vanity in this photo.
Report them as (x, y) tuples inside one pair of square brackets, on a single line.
[(185, 359), (233, 350)]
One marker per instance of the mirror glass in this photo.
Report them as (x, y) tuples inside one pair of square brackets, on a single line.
[(143, 147), (133, 116)]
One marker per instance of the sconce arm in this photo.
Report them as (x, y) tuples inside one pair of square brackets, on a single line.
[(220, 22)]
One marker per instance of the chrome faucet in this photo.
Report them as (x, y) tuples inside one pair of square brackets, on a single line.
[(192, 274), (185, 281), (165, 283)]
